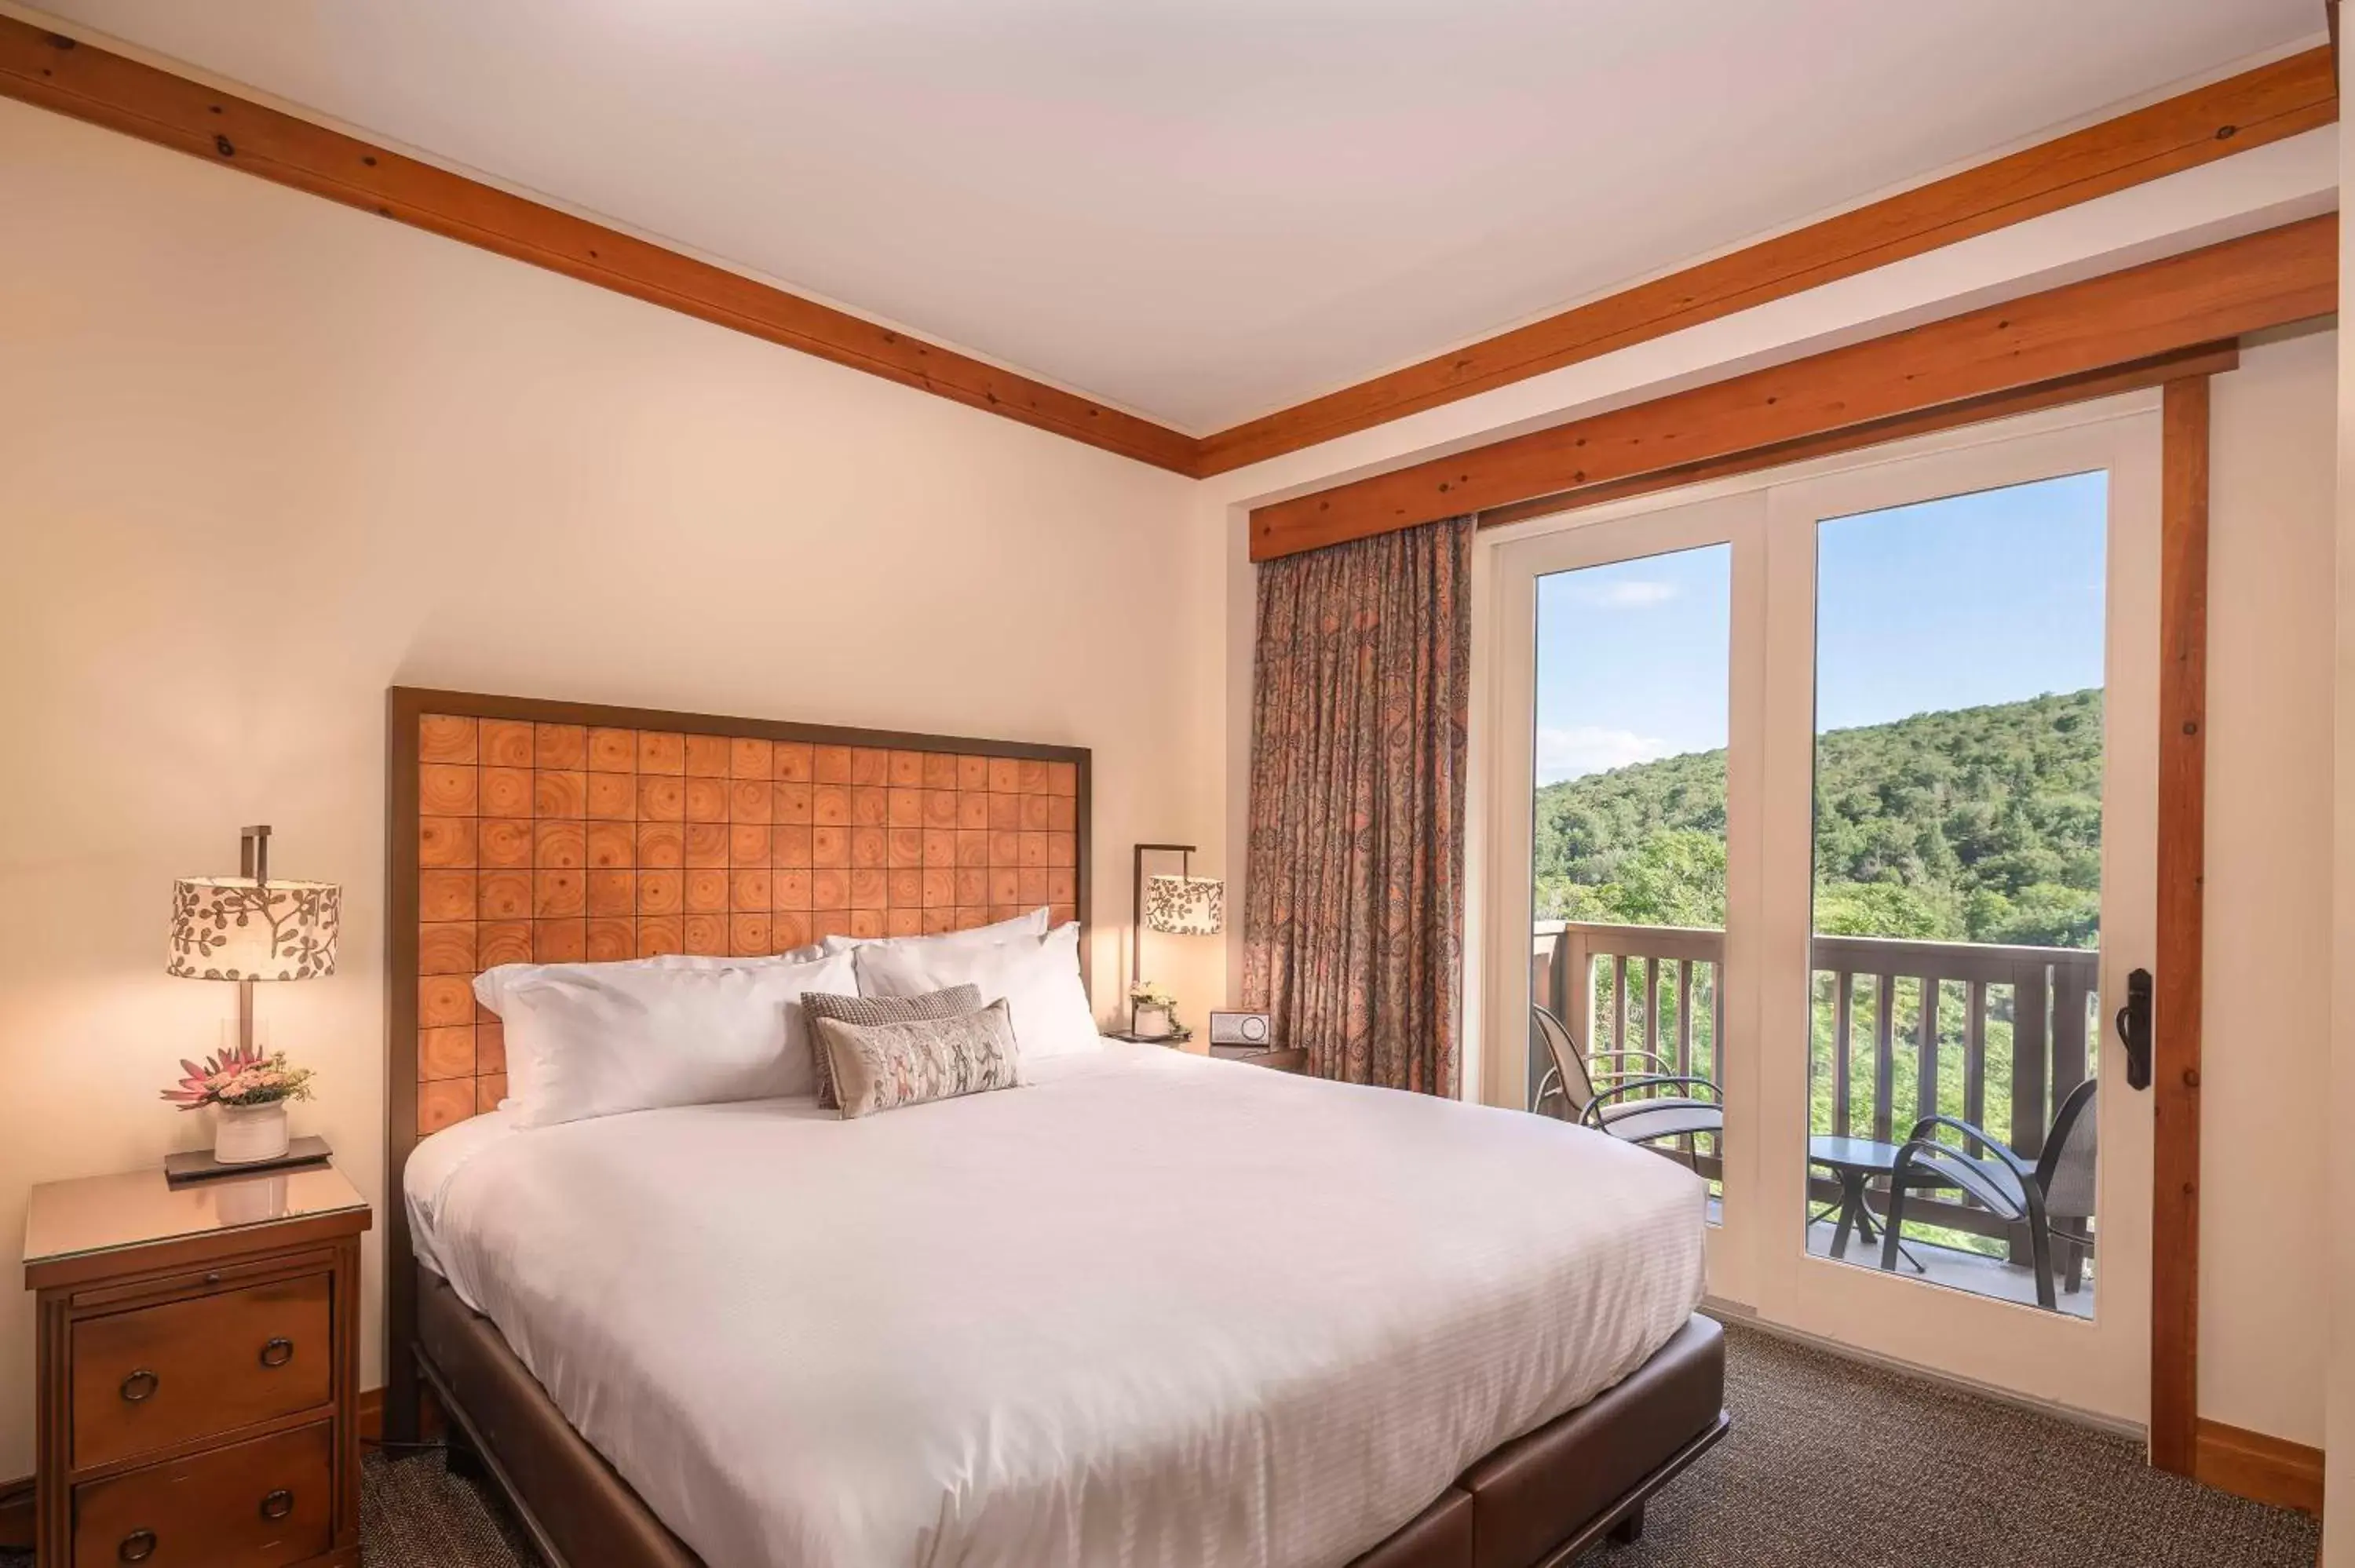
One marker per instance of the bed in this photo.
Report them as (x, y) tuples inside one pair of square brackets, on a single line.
[(1148, 1309)]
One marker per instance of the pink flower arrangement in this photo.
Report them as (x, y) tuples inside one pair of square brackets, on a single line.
[(242, 1076)]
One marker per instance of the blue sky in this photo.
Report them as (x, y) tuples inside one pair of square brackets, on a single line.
[(1949, 604)]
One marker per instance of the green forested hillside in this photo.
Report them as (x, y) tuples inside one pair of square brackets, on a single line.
[(1981, 824)]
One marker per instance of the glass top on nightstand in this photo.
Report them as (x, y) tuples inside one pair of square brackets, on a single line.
[(103, 1213)]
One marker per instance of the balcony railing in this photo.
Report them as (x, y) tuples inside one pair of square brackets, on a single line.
[(1996, 1034), (1673, 1008)]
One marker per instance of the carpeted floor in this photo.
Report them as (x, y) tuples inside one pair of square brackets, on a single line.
[(1830, 1465)]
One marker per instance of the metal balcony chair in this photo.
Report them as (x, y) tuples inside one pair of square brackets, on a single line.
[(2051, 1200), (1623, 1102)]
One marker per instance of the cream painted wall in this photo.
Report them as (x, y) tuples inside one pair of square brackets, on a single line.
[(2264, 1276), (2338, 1475), (264, 456)]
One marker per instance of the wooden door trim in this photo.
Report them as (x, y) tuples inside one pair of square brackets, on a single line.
[(2176, 989), (2244, 111), (2220, 291), (53, 71), (2266, 1469), (2206, 359)]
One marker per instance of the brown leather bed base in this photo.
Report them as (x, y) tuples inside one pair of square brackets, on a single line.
[(1535, 1502)]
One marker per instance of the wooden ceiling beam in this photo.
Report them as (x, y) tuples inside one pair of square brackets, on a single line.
[(2218, 293), (55, 72), (2237, 114)]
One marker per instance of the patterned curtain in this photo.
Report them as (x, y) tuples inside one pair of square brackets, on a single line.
[(1352, 930)]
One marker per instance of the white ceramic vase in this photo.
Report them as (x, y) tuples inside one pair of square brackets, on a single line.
[(244, 1134), (1153, 1023)]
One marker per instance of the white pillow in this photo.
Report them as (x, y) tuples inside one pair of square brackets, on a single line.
[(1039, 981), (808, 955), (588, 1040), (493, 982), (1031, 925)]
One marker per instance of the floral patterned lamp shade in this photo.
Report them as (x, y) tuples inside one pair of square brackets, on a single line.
[(238, 928), (1185, 905)]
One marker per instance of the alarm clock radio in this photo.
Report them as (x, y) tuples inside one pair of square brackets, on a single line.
[(1240, 1029)]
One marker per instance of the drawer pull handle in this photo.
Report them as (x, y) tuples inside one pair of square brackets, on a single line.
[(277, 1352), (138, 1547), (138, 1387), (278, 1504)]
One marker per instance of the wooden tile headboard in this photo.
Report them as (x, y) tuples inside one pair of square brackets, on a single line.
[(521, 830)]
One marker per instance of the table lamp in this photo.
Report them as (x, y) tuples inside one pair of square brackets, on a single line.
[(1180, 905), (246, 928)]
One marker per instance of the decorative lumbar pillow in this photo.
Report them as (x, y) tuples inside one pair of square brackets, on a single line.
[(882, 1066), (866, 1011), (589, 1040), (1039, 975)]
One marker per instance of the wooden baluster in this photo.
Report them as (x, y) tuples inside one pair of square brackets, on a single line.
[(2028, 995), (1974, 1053), (1684, 1018), (1884, 1053), (2029, 1060), (1618, 1002), (1545, 986), (2068, 994), (1717, 1021), (1926, 1050), (1578, 1000), (1843, 1034), (1651, 1006)]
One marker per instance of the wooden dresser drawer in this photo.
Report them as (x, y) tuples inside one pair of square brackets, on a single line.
[(252, 1504), (145, 1378)]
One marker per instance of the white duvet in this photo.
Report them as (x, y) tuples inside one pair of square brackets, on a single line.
[(1152, 1310)]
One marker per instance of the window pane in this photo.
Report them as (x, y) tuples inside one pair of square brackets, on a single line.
[(1957, 866), (1628, 879)]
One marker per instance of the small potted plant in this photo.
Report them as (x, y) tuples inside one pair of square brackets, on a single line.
[(249, 1091), (1153, 1011)]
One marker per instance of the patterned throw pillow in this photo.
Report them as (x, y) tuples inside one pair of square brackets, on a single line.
[(883, 1066), (869, 1011)]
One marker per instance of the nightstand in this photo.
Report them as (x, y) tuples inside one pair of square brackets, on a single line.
[(1289, 1059), (199, 1379)]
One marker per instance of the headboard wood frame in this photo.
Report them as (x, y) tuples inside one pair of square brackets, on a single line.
[(523, 828)]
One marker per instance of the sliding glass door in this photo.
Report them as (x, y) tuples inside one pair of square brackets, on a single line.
[(1631, 645), (1830, 802), (1961, 799)]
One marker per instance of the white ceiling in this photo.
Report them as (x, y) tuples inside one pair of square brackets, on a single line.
[(1202, 209)]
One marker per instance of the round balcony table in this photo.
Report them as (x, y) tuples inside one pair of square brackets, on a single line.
[(1857, 1163)]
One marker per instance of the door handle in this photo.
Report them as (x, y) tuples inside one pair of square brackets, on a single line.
[(2133, 1028)]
